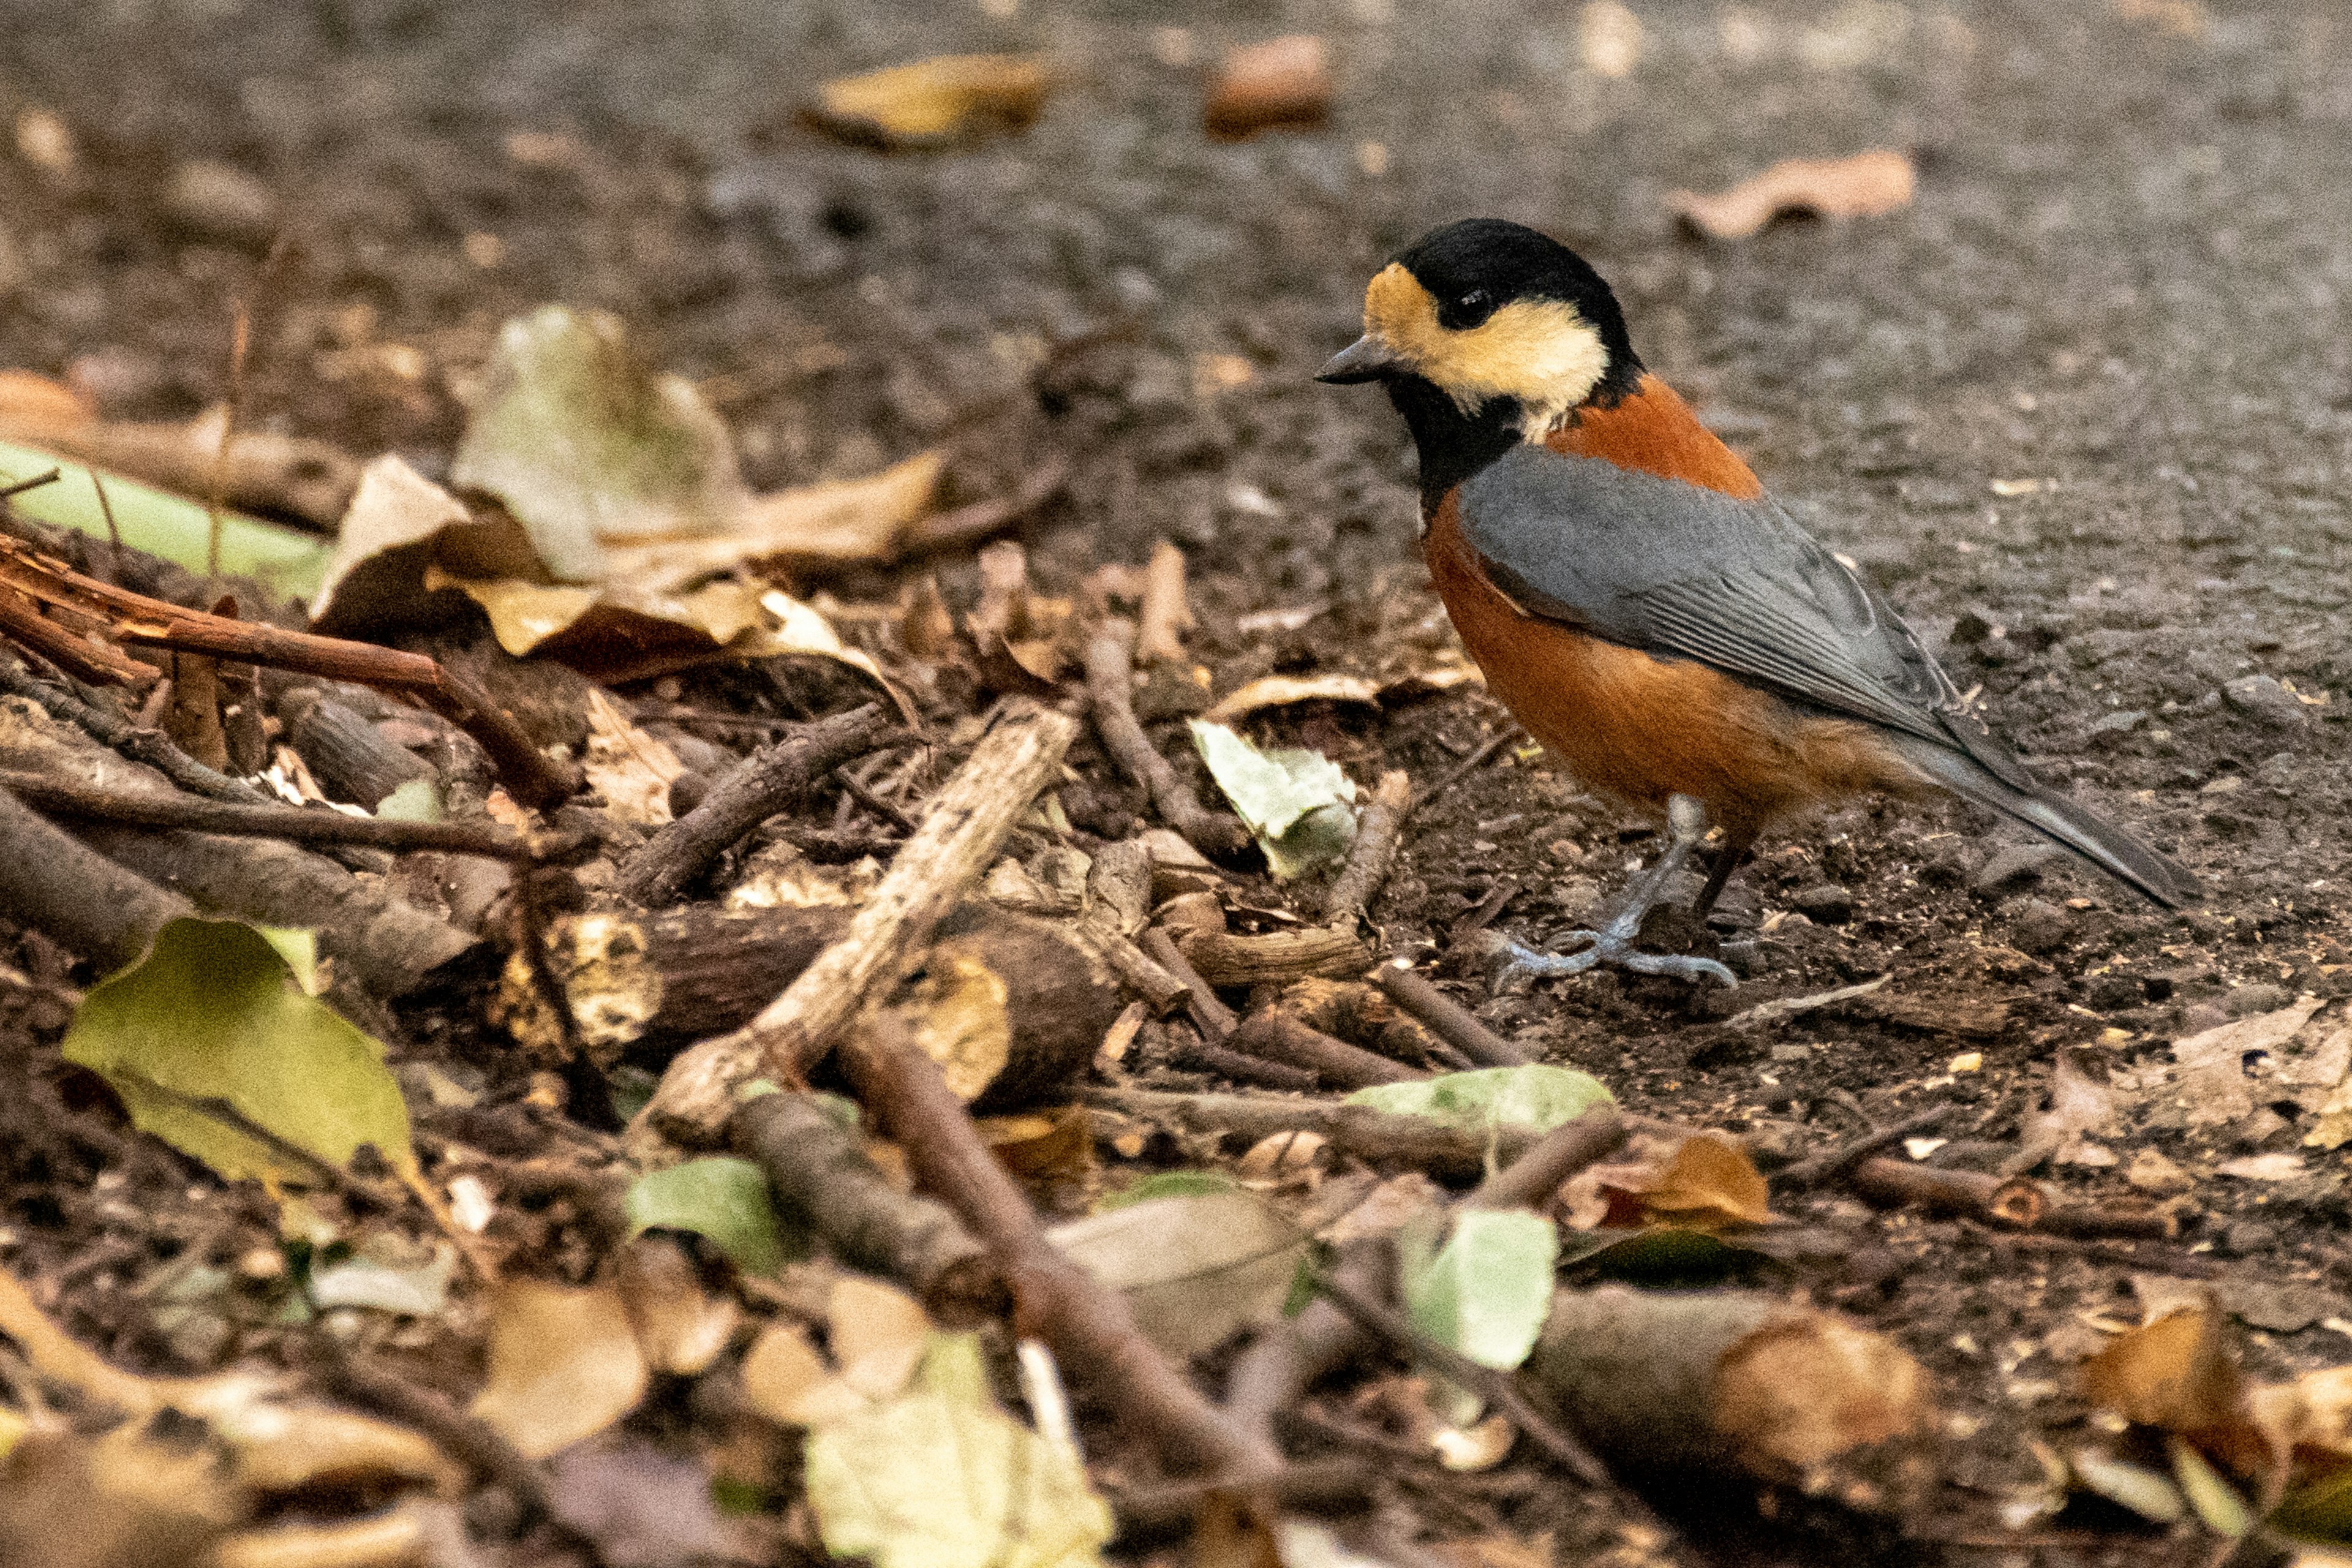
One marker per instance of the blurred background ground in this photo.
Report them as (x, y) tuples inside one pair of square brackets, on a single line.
[(2084, 409)]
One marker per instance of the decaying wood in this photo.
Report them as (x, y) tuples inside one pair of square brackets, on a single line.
[(2011, 1202), (1277, 957), (1379, 828), (345, 749), (1164, 616), (963, 830), (1137, 969), (769, 781), (1089, 1326), (295, 825), (1012, 1005), (1110, 674), (1735, 1382), (84, 605), (1274, 1035), (818, 1170), (1376, 1137), (1361, 1015), (1447, 1018), (1210, 1015), (53, 883)]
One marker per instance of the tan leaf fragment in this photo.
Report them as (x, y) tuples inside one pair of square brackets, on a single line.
[(563, 1364), (1282, 690), (1808, 1387), (1283, 82), (629, 768), (2175, 1372), (681, 1327), (788, 1381), (400, 523), (829, 523), (1864, 185), (1708, 1183), (879, 1334), (934, 102)]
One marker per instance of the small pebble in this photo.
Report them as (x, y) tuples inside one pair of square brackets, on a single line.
[(2262, 699), (1827, 903), (2013, 865), (2041, 927)]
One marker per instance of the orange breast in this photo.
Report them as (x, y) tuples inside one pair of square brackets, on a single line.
[(1641, 728), (1655, 430)]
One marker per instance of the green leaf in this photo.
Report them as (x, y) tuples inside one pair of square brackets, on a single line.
[(1167, 1185), (1487, 1290), (586, 445), (216, 1048), (1538, 1096), (1660, 1256), (1296, 803), (2145, 1491), (721, 1198), (2217, 1503), (2321, 1511), (419, 800), (171, 528), (928, 1481), (955, 1368)]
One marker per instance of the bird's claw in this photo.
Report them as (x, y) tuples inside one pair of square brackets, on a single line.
[(1617, 949)]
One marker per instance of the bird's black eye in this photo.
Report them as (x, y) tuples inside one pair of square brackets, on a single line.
[(1466, 309)]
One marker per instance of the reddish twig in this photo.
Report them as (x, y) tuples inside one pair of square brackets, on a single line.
[(1443, 1017)]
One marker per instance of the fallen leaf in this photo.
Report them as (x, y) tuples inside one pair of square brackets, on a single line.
[(1281, 83), (628, 767), (1538, 1096), (934, 102), (2212, 1077), (2146, 1493), (927, 1481), (2080, 1107), (1193, 1268), (1281, 690), (1055, 1145), (398, 524), (419, 1290), (642, 1508), (1862, 185), (1709, 1181), (788, 1382), (1297, 803), (563, 1364), (216, 1046), (2176, 1374), (1486, 1290), (878, 1333), (833, 523), (2151, 1172), (681, 1327), (720, 1197), (590, 450)]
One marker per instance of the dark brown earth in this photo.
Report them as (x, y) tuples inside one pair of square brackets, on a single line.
[(2125, 278)]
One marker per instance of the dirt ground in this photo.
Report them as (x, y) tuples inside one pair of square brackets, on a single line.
[(2084, 410)]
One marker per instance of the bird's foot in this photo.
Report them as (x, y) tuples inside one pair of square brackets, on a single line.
[(1616, 949)]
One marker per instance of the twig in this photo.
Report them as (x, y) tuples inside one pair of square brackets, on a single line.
[(1273, 1035), (1206, 1056), (1819, 1170), (294, 824), (2015, 1203), (240, 340), (765, 783), (1463, 769), (53, 882), (865, 796), (113, 528), (1215, 1019), (1443, 1017), (1090, 1328), (1782, 1009), (1530, 1181), (819, 1170), (1376, 1137), (140, 742), (1163, 617), (964, 826), (1288, 1356), (1499, 1389), (18, 487), (1377, 829), (1110, 671)]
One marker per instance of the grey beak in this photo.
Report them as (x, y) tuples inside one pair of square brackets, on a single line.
[(1366, 359)]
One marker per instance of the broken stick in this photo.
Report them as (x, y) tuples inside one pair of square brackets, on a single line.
[(1110, 672), (1377, 829), (964, 828)]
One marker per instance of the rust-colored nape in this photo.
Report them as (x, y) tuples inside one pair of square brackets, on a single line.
[(1654, 430)]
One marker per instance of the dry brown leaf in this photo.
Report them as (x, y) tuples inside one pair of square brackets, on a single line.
[(2212, 1078), (399, 524), (681, 1327), (831, 523), (563, 1364), (628, 767), (1281, 83), (2174, 1373), (267, 470), (1862, 185), (1809, 1387), (934, 102), (788, 1381), (957, 1011), (1708, 1183), (30, 401), (1043, 1146), (1281, 690), (2311, 1416)]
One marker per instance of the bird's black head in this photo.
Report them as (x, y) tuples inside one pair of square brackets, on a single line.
[(1487, 332)]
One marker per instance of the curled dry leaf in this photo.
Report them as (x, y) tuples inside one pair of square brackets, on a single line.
[(563, 1364), (936, 102), (1283, 82), (398, 524), (1297, 803), (803, 529), (2211, 1076), (2177, 1374), (1708, 1183), (1281, 690), (628, 767), (1864, 185)]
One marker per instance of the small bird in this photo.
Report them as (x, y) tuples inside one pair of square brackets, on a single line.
[(1638, 602)]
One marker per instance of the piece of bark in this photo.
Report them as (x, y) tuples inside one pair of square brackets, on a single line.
[(1377, 829), (192, 717), (53, 883), (992, 975), (345, 751), (1110, 674), (769, 781), (1163, 616), (1088, 1326), (965, 829), (1379, 1138), (1736, 1384), (1277, 1036), (818, 1170), (1118, 885), (1451, 1021), (1277, 957)]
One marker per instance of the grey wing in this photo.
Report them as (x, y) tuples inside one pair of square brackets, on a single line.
[(1671, 568)]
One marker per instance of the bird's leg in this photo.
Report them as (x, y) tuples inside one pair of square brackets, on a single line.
[(1728, 860), (1613, 942)]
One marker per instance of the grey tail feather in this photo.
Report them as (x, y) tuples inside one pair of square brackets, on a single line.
[(2064, 822)]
